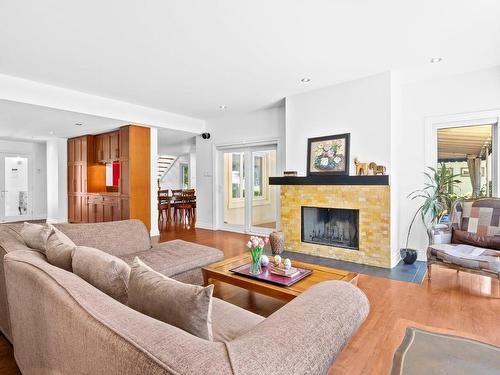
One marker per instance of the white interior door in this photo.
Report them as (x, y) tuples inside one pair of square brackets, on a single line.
[(15, 192), (247, 203)]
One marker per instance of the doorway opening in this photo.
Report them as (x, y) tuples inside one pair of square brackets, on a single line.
[(468, 153), (15, 194), (248, 203)]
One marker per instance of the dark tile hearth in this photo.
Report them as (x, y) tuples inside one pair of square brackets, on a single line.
[(413, 273)]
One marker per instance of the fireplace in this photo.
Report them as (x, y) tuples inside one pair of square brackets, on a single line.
[(337, 227)]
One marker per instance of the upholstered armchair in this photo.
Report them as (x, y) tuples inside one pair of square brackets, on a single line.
[(471, 240)]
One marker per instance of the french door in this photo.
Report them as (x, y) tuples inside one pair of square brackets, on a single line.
[(247, 203), (15, 192)]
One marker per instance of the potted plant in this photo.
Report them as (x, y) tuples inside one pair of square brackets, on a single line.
[(437, 198)]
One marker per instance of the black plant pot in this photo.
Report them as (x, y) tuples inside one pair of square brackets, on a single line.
[(409, 256)]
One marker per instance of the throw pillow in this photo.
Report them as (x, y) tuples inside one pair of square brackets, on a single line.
[(60, 249), (473, 239), (35, 236), (106, 272), (185, 306)]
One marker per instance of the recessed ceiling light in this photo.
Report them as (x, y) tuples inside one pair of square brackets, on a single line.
[(222, 107), (78, 124), (436, 60), (305, 80), (51, 132)]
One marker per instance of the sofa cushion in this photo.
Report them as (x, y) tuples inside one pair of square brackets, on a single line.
[(106, 272), (474, 239), (35, 236), (230, 321), (185, 306), (468, 256), (60, 249), (175, 257), (116, 237)]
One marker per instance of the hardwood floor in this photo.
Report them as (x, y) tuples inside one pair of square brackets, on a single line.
[(458, 303)]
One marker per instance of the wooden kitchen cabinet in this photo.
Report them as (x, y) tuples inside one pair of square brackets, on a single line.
[(102, 208), (114, 146), (80, 153), (107, 147), (89, 200)]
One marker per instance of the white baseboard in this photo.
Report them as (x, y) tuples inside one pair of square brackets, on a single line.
[(202, 225)]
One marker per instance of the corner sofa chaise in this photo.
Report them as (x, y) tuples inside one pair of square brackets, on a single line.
[(60, 324)]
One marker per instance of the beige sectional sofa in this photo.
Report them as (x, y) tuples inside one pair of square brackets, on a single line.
[(60, 324)]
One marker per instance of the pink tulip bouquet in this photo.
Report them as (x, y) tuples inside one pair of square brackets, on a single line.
[(256, 247)]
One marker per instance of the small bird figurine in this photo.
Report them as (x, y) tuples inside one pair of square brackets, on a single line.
[(288, 264)]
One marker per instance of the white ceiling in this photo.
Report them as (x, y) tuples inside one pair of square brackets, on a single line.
[(191, 56), (27, 121)]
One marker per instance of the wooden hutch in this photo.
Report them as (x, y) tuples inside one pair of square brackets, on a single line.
[(125, 153)]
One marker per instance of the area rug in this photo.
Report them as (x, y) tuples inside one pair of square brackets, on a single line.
[(430, 353)]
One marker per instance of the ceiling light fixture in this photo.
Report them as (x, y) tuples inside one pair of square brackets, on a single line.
[(78, 124), (51, 132), (435, 60), (222, 107), (305, 80)]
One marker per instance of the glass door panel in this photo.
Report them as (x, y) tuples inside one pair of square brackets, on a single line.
[(247, 202), (234, 188), (15, 188), (264, 198)]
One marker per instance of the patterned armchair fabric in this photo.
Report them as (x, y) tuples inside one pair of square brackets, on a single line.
[(480, 217)]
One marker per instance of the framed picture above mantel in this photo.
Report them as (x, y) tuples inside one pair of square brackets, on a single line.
[(328, 155)]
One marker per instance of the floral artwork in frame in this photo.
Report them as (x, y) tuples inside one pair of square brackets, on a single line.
[(328, 155)]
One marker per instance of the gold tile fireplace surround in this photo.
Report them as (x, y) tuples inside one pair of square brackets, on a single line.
[(368, 194)]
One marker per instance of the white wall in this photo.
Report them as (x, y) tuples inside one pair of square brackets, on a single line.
[(57, 181), (181, 148), (364, 108), (37, 151), (248, 127), (470, 92), (172, 180), (361, 107)]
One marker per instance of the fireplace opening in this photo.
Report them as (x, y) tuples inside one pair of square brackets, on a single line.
[(331, 226)]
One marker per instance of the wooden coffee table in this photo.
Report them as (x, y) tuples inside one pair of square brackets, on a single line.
[(221, 271)]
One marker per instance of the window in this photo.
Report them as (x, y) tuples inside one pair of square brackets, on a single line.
[(236, 169), (237, 175), (258, 175), (185, 176)]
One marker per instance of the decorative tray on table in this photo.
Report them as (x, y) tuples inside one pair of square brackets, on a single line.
[(270, 274)]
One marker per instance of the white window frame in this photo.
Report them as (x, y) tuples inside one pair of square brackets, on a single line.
[(257, 200)]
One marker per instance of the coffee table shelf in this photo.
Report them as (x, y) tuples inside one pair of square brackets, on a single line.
[(220, 271)]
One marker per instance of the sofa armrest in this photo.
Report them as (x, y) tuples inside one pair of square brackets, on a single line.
[(440, 234), (305, 336)]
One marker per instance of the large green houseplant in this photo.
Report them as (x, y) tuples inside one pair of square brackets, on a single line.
[(436, 197)]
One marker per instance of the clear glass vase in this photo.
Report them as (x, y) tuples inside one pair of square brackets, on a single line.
[(256, 255)]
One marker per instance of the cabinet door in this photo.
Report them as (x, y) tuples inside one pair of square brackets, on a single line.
[(71, 150), (114, 146), (71, 208), (106, 147), (111, 209), (99, 152)]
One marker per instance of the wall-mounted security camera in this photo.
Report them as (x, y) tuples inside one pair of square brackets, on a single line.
[(205, 135)]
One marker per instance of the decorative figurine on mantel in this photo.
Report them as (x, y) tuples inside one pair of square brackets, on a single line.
[(377, 169), (361, 168), (368, 169)]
